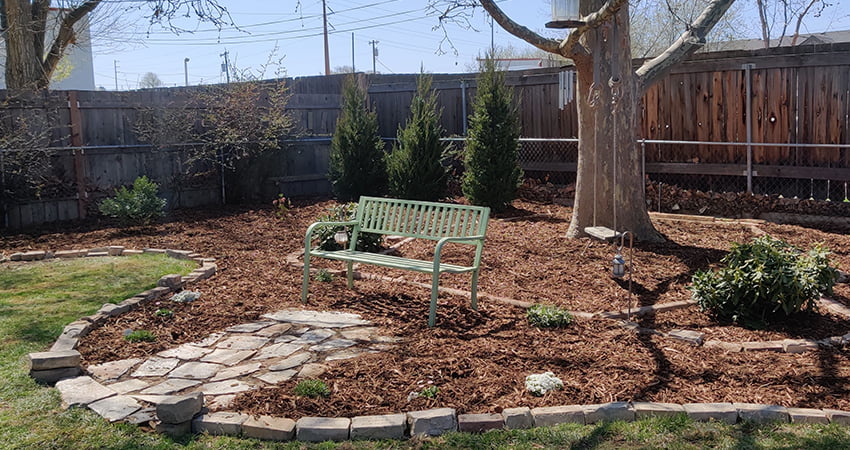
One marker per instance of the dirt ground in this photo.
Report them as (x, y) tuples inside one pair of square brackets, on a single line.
[(479, 359)]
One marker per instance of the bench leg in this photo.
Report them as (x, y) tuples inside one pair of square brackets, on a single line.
[(349, 274), (435, 290), (306, 281), (474, 299)]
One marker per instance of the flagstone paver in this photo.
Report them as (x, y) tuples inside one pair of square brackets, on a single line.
[(318, 319), (250, 327), (281, 350), (156, 367), (170, 386), (195, 370), (292, 361), (225, 387), (127, 386), (314, 336), (209, 340), (80, 391), (335, 344), (277, 377), (274, 330), (242, 342), (228, 357), (236, 371), (115, 408), (186, 352), (112, 370)]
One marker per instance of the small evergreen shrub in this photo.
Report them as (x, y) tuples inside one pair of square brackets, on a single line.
[(492, 174), (366, 242), (140, 336), (312, 389), (414, 168), (548, 316), (762, 279), (357, 165), (136, 206)]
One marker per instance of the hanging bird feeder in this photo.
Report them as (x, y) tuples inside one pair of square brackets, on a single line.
[(565, 14)]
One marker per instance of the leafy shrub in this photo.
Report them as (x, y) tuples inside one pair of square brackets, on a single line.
[(282, 206), (312, 389), (357, 166), (140, 336), (764, 278), (324, 276), (492, 174), (185, 296), (548, 316), (366, 242), (414, 168), (139, 205)]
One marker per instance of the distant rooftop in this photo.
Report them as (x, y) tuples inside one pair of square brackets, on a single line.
[(829, 37)]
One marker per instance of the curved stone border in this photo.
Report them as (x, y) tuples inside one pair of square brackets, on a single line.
[(63, 360)]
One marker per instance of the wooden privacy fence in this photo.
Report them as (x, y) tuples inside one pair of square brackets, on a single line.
[(781, 96)]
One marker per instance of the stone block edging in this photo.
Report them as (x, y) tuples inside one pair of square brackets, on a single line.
[(63, 360)]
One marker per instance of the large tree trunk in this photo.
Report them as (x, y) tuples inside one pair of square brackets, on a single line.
[(609, 181), (23, 64)]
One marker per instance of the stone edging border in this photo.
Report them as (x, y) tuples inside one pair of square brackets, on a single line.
[(63, 360)]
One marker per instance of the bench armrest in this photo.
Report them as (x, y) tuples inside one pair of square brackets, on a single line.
[(446, 240), (311, 228)]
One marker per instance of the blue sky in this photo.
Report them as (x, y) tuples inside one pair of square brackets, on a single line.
[(403, 29)]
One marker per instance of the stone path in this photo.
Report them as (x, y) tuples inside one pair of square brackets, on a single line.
[(284, 344)]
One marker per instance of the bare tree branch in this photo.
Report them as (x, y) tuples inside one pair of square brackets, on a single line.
[(65, 37), (545, 44), (690, 41), (593, 20)]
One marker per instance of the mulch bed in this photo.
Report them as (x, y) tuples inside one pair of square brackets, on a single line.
[(479, 359)]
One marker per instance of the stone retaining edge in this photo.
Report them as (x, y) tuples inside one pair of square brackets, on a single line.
[(63, 360)]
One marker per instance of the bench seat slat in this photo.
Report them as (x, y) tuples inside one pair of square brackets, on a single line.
[(395, 262)]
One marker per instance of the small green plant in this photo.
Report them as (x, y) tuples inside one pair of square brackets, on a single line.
[(282, 206), (312, 389), (366, 242), (137, 206), (429, 392), (548, 316), (140, 336), (324, 276), (762, 279), (185, 296), (162, 312)]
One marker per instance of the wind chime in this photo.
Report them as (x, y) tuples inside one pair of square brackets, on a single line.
[(565, 14)]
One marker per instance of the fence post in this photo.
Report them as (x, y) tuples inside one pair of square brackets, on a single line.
[(749, 105), (79, 152), (463, 104)]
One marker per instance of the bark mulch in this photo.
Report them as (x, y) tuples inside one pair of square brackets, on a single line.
[(479, 359)]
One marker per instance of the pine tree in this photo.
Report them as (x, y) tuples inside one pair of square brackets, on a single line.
[(492, 173), (414, 168), (357, 166)]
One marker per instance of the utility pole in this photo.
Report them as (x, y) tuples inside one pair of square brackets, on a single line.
[(186, 71), (374, 54), (226, 66), (353, 70), (492, 39), (325, 23), (115, 65)]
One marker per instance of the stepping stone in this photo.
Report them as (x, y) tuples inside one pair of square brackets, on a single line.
[(345, 354), (227, 357), (316, 319), (54, 360), (314, 336), (236, 371), (249, 327), (156, 367), (80, 391), (278, 350), (152, 399), (131, 385), (225, 387), (284, 338), (242, 342), (141, 417), (180, 408), (219, 402), (276, 377), (115, 408), (274, 330), (292, 361), (359, 334), (186, 352), (112, 370), (209, 340), (312, 370), (170, 386), (335, 344), (194, 370)]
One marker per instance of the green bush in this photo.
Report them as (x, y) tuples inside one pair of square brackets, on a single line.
[(415, 168), (357, 165), (312, 389), (548, 316), (140, 336), (324, 276), (136, 206), (764, 278), (366, 242), (492, 174)]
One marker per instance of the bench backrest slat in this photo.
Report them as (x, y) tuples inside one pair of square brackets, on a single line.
[(427, 220)]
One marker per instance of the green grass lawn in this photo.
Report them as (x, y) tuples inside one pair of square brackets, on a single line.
[(38, 299)]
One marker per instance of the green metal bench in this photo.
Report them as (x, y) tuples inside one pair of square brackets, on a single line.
[(441, 222)]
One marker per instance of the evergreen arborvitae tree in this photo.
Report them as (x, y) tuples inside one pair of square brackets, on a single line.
[(414, 168), (357, 166), (492, 173)]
